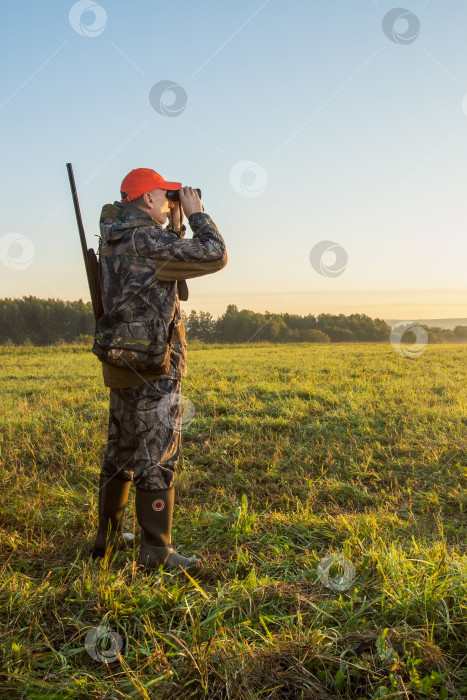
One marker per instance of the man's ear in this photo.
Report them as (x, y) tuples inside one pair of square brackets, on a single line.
[(148, 198)]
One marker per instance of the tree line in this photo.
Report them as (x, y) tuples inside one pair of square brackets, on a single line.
[(244, 326), (33, 321)]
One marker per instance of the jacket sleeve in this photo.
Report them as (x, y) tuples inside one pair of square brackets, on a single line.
[(180, 258)]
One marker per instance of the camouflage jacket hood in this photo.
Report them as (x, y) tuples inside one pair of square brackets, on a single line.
[(139, 265), (127, 217)]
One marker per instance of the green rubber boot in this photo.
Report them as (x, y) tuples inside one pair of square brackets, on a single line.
[(113, 496), (154, 511)]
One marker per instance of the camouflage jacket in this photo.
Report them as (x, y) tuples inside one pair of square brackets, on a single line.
[(139, 265)]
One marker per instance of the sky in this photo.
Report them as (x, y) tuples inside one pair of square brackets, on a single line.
[(329, 140)]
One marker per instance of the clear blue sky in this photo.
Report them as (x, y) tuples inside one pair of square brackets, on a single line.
[(362, 140)]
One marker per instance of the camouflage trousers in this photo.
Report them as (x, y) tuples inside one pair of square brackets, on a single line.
[(144, 434)]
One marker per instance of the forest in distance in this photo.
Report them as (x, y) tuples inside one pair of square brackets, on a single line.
[(34, 321)]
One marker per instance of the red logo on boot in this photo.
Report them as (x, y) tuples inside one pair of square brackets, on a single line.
[(159, 504)]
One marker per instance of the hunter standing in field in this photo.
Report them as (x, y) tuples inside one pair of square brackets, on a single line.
[(143, 268)]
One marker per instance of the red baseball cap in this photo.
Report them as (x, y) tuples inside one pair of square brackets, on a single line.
[(142, 180)]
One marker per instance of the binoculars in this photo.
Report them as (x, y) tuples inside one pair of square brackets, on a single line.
[(174, 195)]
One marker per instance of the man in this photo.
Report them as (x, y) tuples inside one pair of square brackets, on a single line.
[(143, 268)]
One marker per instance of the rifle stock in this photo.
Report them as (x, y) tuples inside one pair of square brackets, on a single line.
[(90, 258)]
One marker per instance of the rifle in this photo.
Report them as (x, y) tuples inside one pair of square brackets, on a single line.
[(90, 259)]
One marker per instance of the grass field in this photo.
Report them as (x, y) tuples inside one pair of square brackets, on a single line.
[(296, 453)]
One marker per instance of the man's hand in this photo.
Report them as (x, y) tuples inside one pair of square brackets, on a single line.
[(190, 201)]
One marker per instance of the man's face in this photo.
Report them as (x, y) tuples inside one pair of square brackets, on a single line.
[(159, 205)]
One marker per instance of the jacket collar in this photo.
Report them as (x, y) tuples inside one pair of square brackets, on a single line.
[(129, 214), (129, 217)]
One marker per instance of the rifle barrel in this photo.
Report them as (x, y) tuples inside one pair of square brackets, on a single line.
[(82, 238)]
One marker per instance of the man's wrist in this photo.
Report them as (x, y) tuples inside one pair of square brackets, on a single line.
[(195, 213)]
